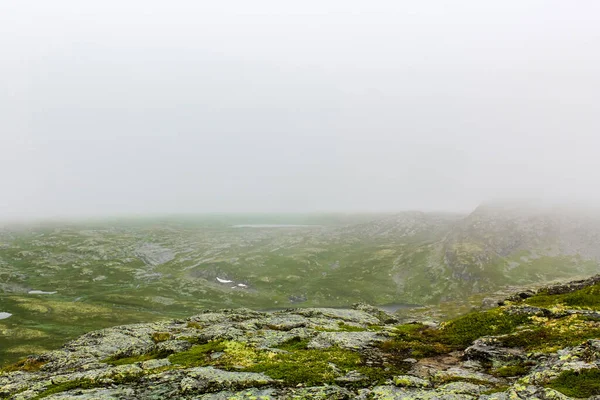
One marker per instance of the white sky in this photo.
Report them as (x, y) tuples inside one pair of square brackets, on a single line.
[(113, 107)]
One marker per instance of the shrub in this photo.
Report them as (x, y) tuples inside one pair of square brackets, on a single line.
[(158, 337)]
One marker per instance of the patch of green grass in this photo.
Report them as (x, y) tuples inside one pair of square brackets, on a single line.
[(198, 355), (343, 327), (419, 341), (158, 337), (308, 367), (580, 384), (375, 328), (294, 344), (133, 359), (416, 341), (297, 365), (474, 381), (588, 297), (28, 365), (82, 384), (511, 370), (350, 328), (464, 330), (553, 336), (314, 367), (497, 389), (63, 387)]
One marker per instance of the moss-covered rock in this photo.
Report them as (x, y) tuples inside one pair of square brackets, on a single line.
[(535, 348)]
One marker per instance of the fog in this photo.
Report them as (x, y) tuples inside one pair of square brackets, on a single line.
[(116, 107)]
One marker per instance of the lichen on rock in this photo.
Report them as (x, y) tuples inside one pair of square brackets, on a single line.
[(543, 345)]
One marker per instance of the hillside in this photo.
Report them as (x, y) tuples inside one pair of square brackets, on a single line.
[(60, 280), (543, 345)]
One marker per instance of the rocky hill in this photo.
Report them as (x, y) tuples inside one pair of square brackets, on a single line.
[(542, 344), (60, 280)]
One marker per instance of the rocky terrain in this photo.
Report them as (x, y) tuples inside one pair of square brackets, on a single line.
[(60, 280), (536, 344)]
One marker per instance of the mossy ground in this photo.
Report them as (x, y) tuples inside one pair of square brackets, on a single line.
[(27, 365), (158, 337), (464, 330), (508, 371), (586, 298), (133, 359), (82, 384), (343, 327), (294, 344), (296, 364), (579, 384), (63, 387), (548, 335), (419, 341)]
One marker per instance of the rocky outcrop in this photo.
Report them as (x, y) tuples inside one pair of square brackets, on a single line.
[(559, 288), (320, 353)]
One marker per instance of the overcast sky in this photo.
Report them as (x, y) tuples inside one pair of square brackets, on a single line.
[(112, 107)]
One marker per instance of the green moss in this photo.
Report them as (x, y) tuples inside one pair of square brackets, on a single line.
[(498, 389), (342, 327), (198, 355), (350, 328), (474, 381), (511, 370), (309, 367), (464, 330), (82, 384), (158, 337), (297, 365), (28, 364), (584, 383), (63, 387), (417, 341), (588, 297), (294, 344), (313, 367), (566, 333), (133, 359), (375, 328)]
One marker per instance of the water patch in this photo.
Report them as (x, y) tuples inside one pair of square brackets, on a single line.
[(4, 315), (40, 292)]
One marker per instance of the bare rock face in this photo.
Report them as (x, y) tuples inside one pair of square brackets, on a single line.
[(571, 286)]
